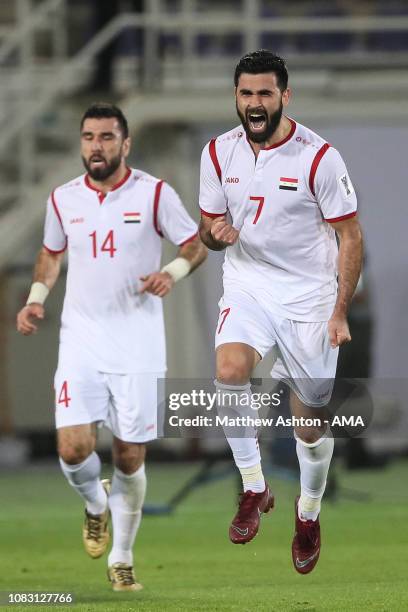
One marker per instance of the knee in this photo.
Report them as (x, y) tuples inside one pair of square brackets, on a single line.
[(309, 435), (129, 457), (72, 454), (233, 370), (75, 444)]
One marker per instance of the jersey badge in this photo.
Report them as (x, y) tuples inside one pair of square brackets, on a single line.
[(131, 217), (290, 184), (346, 185)]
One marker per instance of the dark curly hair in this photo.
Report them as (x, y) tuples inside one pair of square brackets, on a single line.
[(262, 61)]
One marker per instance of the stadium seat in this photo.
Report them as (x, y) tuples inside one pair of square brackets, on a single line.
[(314, 42), (389, 41)]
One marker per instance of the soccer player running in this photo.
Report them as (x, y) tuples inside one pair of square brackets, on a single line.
[(112, 346), (286, 283)]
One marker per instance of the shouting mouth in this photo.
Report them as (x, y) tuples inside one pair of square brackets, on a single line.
[(257, 121), (96, 160)]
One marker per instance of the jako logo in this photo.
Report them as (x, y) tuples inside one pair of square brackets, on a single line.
[(232, 179), (77, 220)]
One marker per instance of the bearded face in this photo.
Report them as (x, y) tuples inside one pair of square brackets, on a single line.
[(99, 167), (103, 147), (259, 104), (258, 123)]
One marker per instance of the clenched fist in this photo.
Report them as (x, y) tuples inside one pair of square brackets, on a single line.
[(223, 232), (339, 332)]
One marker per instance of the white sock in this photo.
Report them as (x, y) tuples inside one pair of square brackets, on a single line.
[(314, 462), (84, 478), (253, 478), (233, 401), (125, 502)]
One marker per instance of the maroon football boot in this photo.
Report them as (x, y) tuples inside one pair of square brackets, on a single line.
[(245, 523), (306, 543)]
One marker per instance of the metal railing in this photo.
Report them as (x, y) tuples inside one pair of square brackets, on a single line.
[(31, 90), (28, 20), (21, 78), (187, 24)]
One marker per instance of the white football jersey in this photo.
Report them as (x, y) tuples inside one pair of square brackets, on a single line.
[(283, 203), (112, 241)]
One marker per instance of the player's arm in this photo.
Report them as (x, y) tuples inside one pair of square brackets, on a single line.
[(189, 257), (336, 197), (349, 268), (194, 252), (217, 233), (46, 271), (175, 224)]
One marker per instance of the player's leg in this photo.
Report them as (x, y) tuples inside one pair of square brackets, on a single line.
[(81, 401), (241, 339), (314, 448), (308, 363), (82, 468), (133, 421), (81, 465), (126, 500), (235, 363)]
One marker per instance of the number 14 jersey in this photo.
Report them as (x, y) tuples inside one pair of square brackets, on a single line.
[(112, 241), (283, 203)]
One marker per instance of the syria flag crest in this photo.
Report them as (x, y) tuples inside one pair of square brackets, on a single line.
[(131, 217), (290, 184)]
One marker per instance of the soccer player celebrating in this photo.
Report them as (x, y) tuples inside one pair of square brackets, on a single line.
[(286, 283), (112, 345)]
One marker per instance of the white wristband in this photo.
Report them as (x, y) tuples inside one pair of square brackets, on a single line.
[(178, 268), (38, 293)]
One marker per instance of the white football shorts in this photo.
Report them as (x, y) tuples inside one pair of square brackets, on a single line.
[(305, 360), (126, 403)]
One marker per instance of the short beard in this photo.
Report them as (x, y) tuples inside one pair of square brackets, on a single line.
[(272, 122), (104, 172)]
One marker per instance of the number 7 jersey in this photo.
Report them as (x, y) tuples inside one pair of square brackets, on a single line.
[(112, 241), (283, 202)]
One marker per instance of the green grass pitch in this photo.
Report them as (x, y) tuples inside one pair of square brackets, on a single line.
[(185, 560)]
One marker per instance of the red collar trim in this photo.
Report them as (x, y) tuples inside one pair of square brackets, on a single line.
[(281, 142), (116, 186), (288, 137)]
